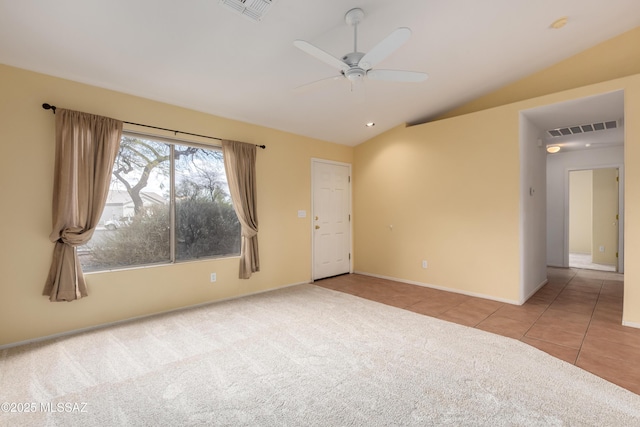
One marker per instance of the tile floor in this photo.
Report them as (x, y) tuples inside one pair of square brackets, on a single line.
[(586, 261), (576, 316)]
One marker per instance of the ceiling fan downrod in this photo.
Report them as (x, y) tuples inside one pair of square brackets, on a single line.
[(353, 18), (355, 73)]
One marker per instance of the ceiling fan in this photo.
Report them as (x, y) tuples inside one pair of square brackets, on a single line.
[(356, 65)]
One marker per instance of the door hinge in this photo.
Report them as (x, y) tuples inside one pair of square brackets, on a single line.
[(616, 254), (349, 217), (617, 216), (349, 255), (349, 178)]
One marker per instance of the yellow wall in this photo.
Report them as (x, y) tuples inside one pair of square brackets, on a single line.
[(605, 210), (446, 192), (632, 203), (580, 211), (612, 59), (26, 170), (451, 190)]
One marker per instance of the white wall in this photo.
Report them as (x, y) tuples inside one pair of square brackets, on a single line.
[(533, 202), (558, 167)]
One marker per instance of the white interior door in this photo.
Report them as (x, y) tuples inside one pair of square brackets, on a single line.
[(331, 218)]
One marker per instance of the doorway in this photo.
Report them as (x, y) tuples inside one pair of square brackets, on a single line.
[(594, 219), (331, 218), (586, 133)]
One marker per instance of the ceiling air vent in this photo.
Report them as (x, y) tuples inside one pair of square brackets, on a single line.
[(590, 127), (252, 9)]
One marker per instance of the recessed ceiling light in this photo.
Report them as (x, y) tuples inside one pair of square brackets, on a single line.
[(553, 149), (587, 145), (370, 124), (559, 23)]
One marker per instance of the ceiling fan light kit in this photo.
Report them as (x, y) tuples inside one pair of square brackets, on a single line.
[(355, 66)]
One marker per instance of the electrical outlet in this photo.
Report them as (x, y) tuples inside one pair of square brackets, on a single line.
[(213, 277), (601, 248), (424, 263)]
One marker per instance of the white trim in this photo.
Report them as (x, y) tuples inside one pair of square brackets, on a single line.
[(631, 324), (136, 318), (441, 288), (621, 203), (532, 293), (311, 223)]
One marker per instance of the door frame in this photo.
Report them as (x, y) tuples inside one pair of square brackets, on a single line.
[(315, 160), (620, 167)]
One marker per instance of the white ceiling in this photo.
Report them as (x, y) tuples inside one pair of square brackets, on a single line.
[(594, 109), (201, 55)]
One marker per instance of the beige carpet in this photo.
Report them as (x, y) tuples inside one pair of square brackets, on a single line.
[(301, 356)]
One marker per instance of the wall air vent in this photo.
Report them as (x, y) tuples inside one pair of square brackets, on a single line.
[(252, 9), (590, 127)]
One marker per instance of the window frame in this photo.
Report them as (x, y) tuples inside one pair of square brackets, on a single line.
[(172, 142)]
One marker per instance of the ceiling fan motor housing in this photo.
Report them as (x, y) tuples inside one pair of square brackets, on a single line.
[(353, 59), (356, 71)]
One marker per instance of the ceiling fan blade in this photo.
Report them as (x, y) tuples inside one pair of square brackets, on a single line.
[(320, 54), (385, 48), (317, 84), (397, 76)]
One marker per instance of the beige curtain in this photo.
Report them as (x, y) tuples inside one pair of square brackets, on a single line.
[(86, 148), (240, 167)]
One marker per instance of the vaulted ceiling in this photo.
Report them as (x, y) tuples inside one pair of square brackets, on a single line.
[(203, 55)]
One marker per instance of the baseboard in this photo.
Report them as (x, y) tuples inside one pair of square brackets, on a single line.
[(556, 266), (532, 293), (133, 319), (631, 324), (440, 288)]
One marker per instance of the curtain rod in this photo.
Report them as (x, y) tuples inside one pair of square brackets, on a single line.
[(175, 132)]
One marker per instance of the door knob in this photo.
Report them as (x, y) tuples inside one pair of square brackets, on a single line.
[(317, 226)]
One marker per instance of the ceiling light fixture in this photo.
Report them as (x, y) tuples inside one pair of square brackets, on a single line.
[(553, 149), (559, 23), (370, 124)]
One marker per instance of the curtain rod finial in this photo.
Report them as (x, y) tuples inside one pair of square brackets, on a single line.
[(49, 107)]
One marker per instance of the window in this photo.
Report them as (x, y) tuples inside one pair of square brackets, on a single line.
[(168, 202)]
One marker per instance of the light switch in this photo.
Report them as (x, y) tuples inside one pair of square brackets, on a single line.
[(302, 214)]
